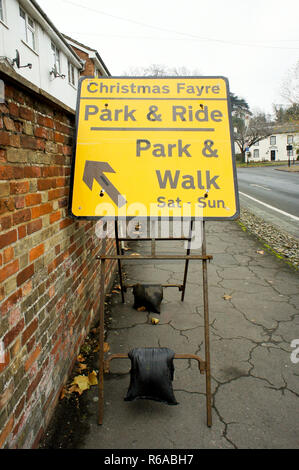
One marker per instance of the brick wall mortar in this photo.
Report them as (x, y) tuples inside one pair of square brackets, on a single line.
[(49, 278)]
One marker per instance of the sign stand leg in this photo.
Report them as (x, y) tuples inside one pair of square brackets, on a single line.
[(187, 262), (153, 240), (101, 335), (206, 327), (119, 262)]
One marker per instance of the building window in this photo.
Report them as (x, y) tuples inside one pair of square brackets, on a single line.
[(56, 57), (71, 74), (290, 139), (28, 29), (256, 153), (273, 140)]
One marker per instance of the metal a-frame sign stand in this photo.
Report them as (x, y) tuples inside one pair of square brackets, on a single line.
[(203, 364), (156, 142)]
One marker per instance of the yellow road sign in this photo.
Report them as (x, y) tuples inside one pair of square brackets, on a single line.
[(154, 147)]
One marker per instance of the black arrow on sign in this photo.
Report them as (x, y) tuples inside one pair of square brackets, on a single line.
[(94, 170)]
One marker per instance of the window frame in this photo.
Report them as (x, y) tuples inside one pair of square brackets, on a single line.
[(271, 140), (256, 153), (71, 74), (55, 57), (29, 39), (290, 139)]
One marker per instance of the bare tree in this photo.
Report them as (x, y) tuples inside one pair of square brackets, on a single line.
[(290, 85), (248, 132), (158, 70), (286, 114)]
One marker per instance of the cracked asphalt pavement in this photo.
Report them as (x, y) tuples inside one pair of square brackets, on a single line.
[(255, 384)]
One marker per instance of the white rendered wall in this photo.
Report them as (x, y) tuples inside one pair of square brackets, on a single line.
[(41, 58)]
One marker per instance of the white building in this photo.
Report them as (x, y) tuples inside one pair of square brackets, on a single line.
[(36, 50), (274, 147)]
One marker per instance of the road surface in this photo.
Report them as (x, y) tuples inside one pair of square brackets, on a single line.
[(272, 195)]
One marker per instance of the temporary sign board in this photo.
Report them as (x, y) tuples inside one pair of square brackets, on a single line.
[(153, 147)]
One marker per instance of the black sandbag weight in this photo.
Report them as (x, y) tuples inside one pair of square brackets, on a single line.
[(151, 375), (149, 296)]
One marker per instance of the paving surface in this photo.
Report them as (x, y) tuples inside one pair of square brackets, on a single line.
[(255, 384)]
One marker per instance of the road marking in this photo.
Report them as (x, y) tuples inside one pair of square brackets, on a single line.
[(271, 207), (259, 186)]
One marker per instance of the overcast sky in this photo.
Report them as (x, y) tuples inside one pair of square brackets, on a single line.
[(253, 43)]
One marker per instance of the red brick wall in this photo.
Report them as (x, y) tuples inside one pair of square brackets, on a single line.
[(89, 68), (49, 278)]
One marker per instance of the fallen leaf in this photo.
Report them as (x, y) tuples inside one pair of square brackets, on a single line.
[(106, 348), (82, 366), (82, 382), (63, 393), (75, 388), (135, 254), (141, 309), (260, 252), (80, 358), (92, 378), (115, 291), (227, 297), (155, 321)]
